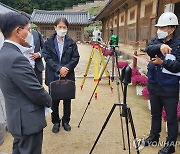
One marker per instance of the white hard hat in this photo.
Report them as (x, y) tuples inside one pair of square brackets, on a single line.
[(167, 19)]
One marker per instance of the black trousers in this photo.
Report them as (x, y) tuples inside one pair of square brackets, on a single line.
[(66, 111), (28, 144), (170, 105)]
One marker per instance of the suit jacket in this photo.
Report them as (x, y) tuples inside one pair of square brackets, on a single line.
[(38, 43), (2, 109), (69, 59), (25, 98)]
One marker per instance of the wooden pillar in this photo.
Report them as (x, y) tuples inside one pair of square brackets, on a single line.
[(118, 23), (103, 28), (135, 59), (108, 20), (125, 25), (82, 34), (160, 8), (112, 20), (104, 32), (138, 22), (149, 30)]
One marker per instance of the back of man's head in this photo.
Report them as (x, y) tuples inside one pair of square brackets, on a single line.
[(10, 21)]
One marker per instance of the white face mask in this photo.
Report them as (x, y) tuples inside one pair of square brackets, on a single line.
[(29, 38), (161, 34), (62, 32), (1, 39)]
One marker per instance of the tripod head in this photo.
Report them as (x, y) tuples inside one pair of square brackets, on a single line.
[(126, 75)]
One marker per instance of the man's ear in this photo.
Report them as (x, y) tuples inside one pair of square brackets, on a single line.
[(172, 29), (55, 28), (16, 30)]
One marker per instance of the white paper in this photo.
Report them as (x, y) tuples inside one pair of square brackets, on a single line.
[(47, 111), (171, 57), (27, 54)]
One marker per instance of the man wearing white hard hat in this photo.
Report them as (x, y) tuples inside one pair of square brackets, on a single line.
[(163, 81)]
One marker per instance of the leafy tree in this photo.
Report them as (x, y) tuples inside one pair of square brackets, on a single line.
[(29, 5), (23, 5)]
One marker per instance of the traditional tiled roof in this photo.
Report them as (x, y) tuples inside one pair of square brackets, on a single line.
[(49, 17), (4, 8)]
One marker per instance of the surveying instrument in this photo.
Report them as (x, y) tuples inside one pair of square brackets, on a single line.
[(96, 55), (123, 77)]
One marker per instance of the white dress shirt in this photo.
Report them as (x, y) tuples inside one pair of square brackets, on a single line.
[(1, 39), (25, 51), (60, 46)]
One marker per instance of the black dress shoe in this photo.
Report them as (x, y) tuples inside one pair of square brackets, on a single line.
[(167, 150), (151, 140), (66, 126), (55, 128)]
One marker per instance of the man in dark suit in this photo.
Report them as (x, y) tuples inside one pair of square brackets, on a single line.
[(25, 98), (38, 43), (61, 56)]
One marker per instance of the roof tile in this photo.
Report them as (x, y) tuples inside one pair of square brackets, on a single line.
[(49, 17)]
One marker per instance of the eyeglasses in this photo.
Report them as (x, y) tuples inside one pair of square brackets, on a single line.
[(29, 29)]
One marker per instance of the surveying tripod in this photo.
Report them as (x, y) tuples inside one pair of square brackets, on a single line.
[(125, 112), (114, 57), (96, 53)]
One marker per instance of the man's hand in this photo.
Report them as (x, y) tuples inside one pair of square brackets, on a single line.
[(63, 71), (157, 60), (165, 49), (34, 56)]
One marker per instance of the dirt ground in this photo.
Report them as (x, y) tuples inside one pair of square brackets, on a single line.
[(80, 140)]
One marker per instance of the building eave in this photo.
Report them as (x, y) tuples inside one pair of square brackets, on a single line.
[(9, 8), (98, 16), (110, 7)]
